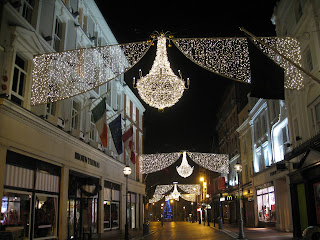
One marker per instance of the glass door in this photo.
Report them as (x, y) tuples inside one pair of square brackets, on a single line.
[(107, 215), (115, 215)]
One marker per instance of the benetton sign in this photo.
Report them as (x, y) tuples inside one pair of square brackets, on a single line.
[(87, 160)]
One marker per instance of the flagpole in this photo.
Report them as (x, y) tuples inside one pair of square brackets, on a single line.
[(284, 57)]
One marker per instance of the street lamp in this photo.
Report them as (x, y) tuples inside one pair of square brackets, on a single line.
[(238, 169), (126, 171)]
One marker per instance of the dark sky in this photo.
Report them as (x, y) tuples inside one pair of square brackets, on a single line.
[(190, 124)]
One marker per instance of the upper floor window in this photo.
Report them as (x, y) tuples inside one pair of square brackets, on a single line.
[(75, 115), (308, 59), (315, 117), (298, 11), (51, 108), (134, 111), (19, 80), (127, 106), (57, 35), (25, 8), (92, 133)]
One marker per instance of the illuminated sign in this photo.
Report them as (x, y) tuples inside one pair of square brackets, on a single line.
[(222, 199), (229, 198)]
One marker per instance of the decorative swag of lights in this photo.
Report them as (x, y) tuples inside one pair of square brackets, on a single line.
[(162, 191), (61, 75), (150, 163)]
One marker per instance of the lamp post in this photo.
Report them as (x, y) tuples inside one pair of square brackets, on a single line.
[(238, 169), (126, 172)]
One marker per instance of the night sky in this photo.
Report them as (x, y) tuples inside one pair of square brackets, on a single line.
[(190, 124)]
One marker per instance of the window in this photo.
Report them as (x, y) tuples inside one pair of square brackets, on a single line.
[(46, 214), (51, 108), (16, 214), (315, 117), (257, 129), (75, 115), (134, 118), (298, 11), (25, 8), (57, 35), (92, 133), (308, 59), (127, 106), (266, 203), (19, 80), (280, 138)]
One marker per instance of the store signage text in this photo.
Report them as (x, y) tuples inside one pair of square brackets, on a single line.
[(229, 198), (87, 160)]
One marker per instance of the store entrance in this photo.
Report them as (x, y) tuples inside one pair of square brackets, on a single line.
[(82, 207), (111, 215)]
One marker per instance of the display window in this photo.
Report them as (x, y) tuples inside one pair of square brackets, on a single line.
[(45, 217), (111, 215), (266, 204), (16, 215)]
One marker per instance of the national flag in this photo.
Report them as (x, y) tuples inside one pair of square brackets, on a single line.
[(127, 139), (116, 132), (267, 77), (100, 120)]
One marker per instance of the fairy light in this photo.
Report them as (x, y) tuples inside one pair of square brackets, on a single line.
[(229, 57), (190, 188), (61, 75), (161, 88), (185, 170), (156, 162)]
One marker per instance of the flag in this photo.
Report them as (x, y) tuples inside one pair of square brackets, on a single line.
[(127, 139), (99, 118), (267, 77), (116, 132)]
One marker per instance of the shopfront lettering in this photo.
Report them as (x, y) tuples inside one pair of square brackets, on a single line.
[(87, 160), (229, 198)]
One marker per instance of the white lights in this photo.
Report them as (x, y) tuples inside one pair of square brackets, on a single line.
[(161, 88), (185, 170), (229, 57), (161, 191), (238, 167), (61, 75), (156, 162)]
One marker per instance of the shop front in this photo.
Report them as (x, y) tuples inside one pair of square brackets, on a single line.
[(266, 205), (29, 207), (111, 206), (82, 205)]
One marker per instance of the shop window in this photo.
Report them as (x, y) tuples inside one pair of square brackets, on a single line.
[(75, 115), (46, 209), (16, 215), (266, 204), (19, 80), (57, 35)]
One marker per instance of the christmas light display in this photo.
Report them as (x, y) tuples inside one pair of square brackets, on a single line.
[(150, 163), (161, 88), (185, 170), (229, 57), (61, 75)]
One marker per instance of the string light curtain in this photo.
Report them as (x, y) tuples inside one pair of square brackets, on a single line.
[(229, 57), (61, 75), (156, 162)]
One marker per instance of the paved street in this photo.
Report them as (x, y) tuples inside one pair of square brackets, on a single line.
[(185, 231)]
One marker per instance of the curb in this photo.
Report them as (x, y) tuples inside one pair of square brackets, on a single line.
[(145, 236), (228, 232)]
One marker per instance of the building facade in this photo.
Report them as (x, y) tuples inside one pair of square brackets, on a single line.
[(300, 19), (57, 180)]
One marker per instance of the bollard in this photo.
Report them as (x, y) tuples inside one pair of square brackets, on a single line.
[(146, 229), (220, 223)]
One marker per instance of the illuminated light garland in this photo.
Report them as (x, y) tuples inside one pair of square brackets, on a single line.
[(61, 75), (161, 88), (189, 197), (190, 188), (156, 162), (211, 161), (229, 57), (150, 163), (185, 170)]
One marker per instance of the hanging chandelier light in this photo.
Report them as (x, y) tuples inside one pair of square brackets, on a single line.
[(161, 88), (185, 170)]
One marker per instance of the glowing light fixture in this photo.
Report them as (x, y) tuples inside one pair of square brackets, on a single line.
[(161, 88), (185, 170)]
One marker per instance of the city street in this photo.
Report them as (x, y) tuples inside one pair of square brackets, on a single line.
[(185, 231)]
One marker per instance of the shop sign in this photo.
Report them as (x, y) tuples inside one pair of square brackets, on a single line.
[(222, 199), (221, 183), (229, 198), (87, 160)]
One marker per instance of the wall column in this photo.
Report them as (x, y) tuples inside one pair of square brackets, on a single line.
[(3, 157), (101, 207), (63, 213)]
